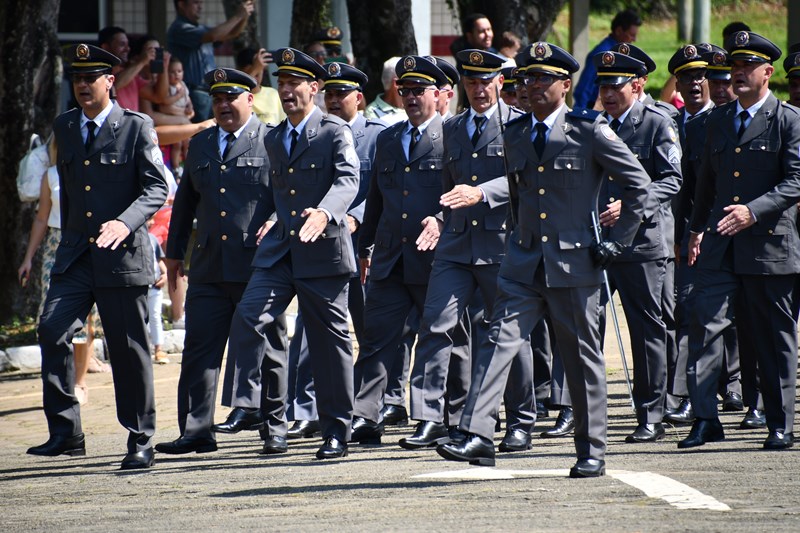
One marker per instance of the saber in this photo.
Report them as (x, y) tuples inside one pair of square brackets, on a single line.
[(607, 285), (513, 200)]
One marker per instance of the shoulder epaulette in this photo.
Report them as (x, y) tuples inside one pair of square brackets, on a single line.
[(586, 114)]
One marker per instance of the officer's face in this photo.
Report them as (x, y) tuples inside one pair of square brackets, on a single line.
[(297, 94), (482, 94), (231, 111), (343, 104), (794, 91), (617, 99), (191, 9), (693, 87), (522, 96), (509, 97), (546, 93), (721, 91), (92, 91), (750, 80), (446, 94), (421, 106)]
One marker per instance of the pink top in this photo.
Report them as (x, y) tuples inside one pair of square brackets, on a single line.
[(128, 96)]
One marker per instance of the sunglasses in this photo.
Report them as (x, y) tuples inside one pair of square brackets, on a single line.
[(86, 78), (688, 78), (416, 91), (543, 79)]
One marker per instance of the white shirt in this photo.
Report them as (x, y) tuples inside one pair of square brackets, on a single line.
[(549, 122)]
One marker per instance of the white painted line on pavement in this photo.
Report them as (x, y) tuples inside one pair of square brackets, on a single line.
[(653, 485)]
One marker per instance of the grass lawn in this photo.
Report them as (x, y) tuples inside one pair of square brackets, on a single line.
[(659, 37)]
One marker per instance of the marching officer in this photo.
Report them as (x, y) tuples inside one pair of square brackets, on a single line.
[(792, 67)]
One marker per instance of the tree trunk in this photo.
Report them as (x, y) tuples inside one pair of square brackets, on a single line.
[(378, 31), (308, 17), (531, 20), (30, 77), (249, 36)]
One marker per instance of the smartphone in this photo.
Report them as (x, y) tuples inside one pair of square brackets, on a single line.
[(157, 65)]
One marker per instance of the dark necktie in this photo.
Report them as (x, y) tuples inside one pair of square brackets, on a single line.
[(479, 122), (541, 138), (293, 142), (230, 139), (743, 116), (615, 124), (414, 140), (90, 126)]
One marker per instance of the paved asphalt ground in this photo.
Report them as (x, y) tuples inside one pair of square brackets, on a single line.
[(728, 486)]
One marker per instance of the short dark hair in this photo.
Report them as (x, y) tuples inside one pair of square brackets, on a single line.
[(734, 27), (626, 19), (469, 22), (105, 35), (244, 57), (137, 45)]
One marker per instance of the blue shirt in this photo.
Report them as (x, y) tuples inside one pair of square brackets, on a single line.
[(585, 93), (185, 41)]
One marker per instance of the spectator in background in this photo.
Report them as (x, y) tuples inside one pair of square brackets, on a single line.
[(319, 52), (624, 29), (177, 104), (266, 101), (509, 46), (387, 106), (191, 42), (477, 33), (155, 297), (127, 79)]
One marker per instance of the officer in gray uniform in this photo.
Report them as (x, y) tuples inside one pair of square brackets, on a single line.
[(744, 242), (224, 186), (638, 273), (559, 159), (314, 178), (112, 181)]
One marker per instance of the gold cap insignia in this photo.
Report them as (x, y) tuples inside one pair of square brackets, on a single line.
[(689, 51), (334, 69), (334, 32), (742, 38), (609, 59), (220, 76), (797, 59), (82, 51), (287, 57), (541, 51), (476, 58), (718, 59), (409, 63), (624, 49)]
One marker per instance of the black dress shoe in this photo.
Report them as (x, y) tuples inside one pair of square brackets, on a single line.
[(427, 434), (273, 445), (303, 429), (541, 410), (137, 460), (753, 419), (684, 414), (61, 445), (732, 402), (332, 448), (778, 440), (183, 445), (366, 431), (474, 449), (703, 430), (241, 418), (456, 435), (516, 440), (394, 415), (565, 424), (588, 468), (646, 433)]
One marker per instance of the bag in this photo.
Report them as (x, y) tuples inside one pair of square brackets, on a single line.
[(31, 169)]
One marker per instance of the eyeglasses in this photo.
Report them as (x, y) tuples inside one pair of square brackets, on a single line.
[(543, 79), (320, 53), (86, 78), (688, 78), (416, 91)]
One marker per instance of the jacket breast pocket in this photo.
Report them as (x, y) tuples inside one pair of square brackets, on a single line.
[(568, 170), (110, 161), (277, 177), (642, 152), (432, 175), (762, 154), (311, 167), (771, 242), (248, 170), (386, 178), (129, 258)]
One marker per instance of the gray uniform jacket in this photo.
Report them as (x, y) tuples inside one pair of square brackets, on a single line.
[(652, 137), (365, 134), (762, 171), (560, 191), (323, 172), (228, 199), (122, 178), (401, 194), (476, 235)]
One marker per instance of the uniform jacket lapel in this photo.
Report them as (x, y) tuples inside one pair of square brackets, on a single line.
[(425, 144), (309, 132), (761, 121), (245, 140), (108, 131), (557, 140)]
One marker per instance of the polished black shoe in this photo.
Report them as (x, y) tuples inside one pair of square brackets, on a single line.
[(137, 460), (303, 429), (541, 410), (703, 431), (427, 434), (646, 433), (332, 448), (394, 415), (456, 435), (366, 431), (588, 468), (183, 445), (61, 445), (565, 424), (753, 419), (241, 418), (732, 402), (778, 440), (515, 440), (474, 449), (273, 445), (684, 414)]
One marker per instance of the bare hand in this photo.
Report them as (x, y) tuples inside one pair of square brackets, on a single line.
[(364, 265), (263, 230), (694, 247), (162, 279), (610, 216), (314, 225), (352, 224), (431, 229), (24, 272), (738, 218), (461, 196), (246, 8), (112, 233), (174, 271), (677, 249), (262, 58)]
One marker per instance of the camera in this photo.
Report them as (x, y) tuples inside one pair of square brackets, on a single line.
[(157, 65)]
